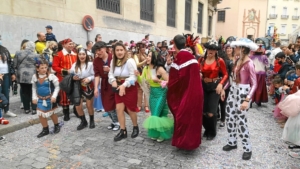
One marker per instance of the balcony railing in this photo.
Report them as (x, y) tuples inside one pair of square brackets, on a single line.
[(284, 16), (273, 16), (295, 17)]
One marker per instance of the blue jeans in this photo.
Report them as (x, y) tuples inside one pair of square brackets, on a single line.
[(5, 89), (113, 116)]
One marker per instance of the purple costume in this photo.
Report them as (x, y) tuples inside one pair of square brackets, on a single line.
[(261, 93)]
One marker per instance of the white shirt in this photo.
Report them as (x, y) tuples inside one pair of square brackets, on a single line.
[(3, 67), (273, 54), (127, 70), (85, 72)]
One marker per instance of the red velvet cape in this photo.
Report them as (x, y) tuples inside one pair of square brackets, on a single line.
[(185, 100)]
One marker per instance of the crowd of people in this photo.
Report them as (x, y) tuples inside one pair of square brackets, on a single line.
[(199, 87)]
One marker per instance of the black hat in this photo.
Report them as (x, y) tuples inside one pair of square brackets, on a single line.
[(49, 26), (212, 44)]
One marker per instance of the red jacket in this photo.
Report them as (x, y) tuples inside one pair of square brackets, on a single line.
[(63, 61)]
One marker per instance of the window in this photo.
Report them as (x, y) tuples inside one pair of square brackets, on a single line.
[(284, 11), (283, 29), (187, 19), (200, 17), (294, 27), (171, 12), (221, 16), (296, 12), (147, 10), (209, 25), (273, 10), (109, 5), (271, 25)]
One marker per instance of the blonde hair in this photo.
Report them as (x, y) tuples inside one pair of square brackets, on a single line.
[(50, 43)]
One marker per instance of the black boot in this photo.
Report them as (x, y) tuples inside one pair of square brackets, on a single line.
[(229, 148), (247, 155), (66, 112), (121, 135), (92, 123), (135, 132), (83, 123), (75, 112), (56, 128), (44, 132)]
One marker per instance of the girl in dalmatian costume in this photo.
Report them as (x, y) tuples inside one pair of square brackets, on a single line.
[(241, 92)]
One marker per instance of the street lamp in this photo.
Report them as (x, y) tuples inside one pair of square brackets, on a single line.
[(221, 9)]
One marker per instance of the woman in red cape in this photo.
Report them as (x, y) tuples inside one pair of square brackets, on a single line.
[(185, 97)]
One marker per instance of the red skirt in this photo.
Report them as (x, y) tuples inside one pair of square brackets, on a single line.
[(129, 99), (261, 92), (107, 95)]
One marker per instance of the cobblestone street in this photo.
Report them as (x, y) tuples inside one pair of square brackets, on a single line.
[(94, 148)]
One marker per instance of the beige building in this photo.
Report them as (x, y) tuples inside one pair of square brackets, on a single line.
[(245, 18), (114, 19), (284, 15)]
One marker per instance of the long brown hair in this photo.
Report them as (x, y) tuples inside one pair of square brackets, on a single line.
[(139, 52), (78, 63), (245, 52), (205, 57), (115, 59)]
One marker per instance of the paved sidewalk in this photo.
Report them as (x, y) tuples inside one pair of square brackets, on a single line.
[(95, 149), (21, 121)]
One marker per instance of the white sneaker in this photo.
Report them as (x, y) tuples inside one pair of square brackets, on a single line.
[(2, 138), (295, 154), (21, 106), (10, 114)]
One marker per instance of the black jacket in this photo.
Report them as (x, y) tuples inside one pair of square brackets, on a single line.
[(285, 67), (72, 89)]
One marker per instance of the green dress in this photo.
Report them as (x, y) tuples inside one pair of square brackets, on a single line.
[(158, 125)]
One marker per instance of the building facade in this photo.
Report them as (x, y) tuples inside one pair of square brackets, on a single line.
[(245, 18), (283, 15), (114, 19)]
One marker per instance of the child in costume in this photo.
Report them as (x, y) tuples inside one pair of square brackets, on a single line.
[(45, 88)]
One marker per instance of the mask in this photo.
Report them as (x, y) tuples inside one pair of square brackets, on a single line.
[(54, 48), (146, 51), (280, 62), (258, 53), (133, 50)]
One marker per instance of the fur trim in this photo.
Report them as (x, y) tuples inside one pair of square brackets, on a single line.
[(48, 113), (245, 43)]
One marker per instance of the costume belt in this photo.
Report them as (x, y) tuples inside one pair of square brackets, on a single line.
[(44, 97), (120, 79), (210, 80)]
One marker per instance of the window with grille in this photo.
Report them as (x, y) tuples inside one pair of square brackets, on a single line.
[(200, 17), (221, 16), (187, 18), (209, 25), (171, 12), (109, 5), (147, 10)]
